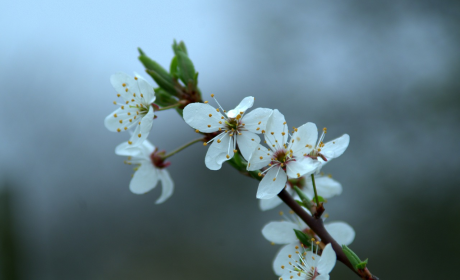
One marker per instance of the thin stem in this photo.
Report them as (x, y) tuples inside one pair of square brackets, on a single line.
[(182, 147), (169, 107), (314, 189)]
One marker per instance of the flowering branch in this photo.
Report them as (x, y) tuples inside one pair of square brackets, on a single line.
[(318, 227)]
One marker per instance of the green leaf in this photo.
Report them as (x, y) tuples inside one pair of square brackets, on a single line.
[(362, 265), (305, 201), (299, 202), (320, 199), (159, 74), (186, 68), (352, 257), (173, 68), (163, 98), (303, 238)]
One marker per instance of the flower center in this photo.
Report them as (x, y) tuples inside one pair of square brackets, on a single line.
[(232, 123)]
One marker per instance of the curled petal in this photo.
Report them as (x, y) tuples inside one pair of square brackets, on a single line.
[(282, 258), (342, 232), (260, 157), (300, 167), (144, 179), (245, 104), (276, 131), (267, 204), (167, 185), (327, 261), (325, 186)]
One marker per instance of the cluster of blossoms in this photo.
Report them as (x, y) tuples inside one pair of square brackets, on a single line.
[(284, 162)]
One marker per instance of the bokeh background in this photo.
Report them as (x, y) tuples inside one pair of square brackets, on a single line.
[(385, 72)]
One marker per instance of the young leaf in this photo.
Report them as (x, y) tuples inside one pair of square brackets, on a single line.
[(362, 265), (352, 257), (303, 238), (305, 201), (159, 74)]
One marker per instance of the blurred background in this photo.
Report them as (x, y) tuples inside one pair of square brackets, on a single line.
[(385, 72)]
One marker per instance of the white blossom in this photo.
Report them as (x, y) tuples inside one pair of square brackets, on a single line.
[(285, 158), (283, 233), (149, 170), (308, 265), (135, 111), (325, 152), (233, 128)]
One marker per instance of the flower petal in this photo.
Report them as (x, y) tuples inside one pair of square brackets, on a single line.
[(146, 94), (282, 259), (124, 85), (245, 104), (112, 121), (143, 128), (276, 126), (260, 157), (342, 232), (327, 261), (247, 143), (144, 179), (267, 204), (304, 139), (325, 186), (273, 182), (322, 277), (167, 185), (197, 115), (280, 232), (300, 167), (336, 147), (217, 152), (256, 120)]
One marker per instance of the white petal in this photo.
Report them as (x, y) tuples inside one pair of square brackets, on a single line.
[(327, 261), (293, 276), (245, 104), (141, 152), (280, 232), (282, 258), (300, 167), (325, 186), (217, 152), (112, 123), (273, 182), (342, 232), (336, 147), (267, 204), (305, 135), (117, 80), (260, 157), (247, 143), (143, 129), (197, 116), (167, 185), (256, 120), (276, 126), (322, 277), (144, 88), (144, 179)]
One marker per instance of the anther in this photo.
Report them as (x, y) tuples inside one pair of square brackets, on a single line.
[(130, 120), (127, 102), (129, 114), (220, 122), (235, 151), (206, 102), (272, 133), (197, 131), (204, 144), (218, 141), (212, 95), (222, 118), (123, 84), (115, 102), (263, 131), (139, 135), (258, 128), (134, 94), (209, 125), (142, 95), (121, 121), (284, 123), (210, 115), (261, 157), (118, 95), (126, 128), (260, 174), (217, 110), (228, 156), (118, 129), (129, 142), (298, 175), (252, 139), (114, 115), (126, 89), (274, 179), (259, 123), (282, 133)]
